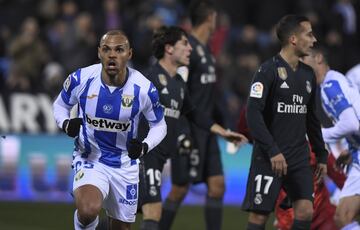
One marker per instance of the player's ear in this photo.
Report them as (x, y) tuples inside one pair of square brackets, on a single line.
[(169, 49), (130, 53), (319, 58), (99, 52), (292, 39)]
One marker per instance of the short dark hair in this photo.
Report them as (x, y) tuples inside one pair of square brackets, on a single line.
[(200, 10), (165, 35), (288, 25), (318, 48)]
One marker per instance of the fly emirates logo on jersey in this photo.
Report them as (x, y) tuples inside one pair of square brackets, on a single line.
[(102, 124), (297, 107)]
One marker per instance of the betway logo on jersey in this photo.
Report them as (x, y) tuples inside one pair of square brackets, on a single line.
[(296, 108), (103, 124)]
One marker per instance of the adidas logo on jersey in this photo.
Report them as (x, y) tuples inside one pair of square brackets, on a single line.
[(284, 85), (164, 91), (102, 124)]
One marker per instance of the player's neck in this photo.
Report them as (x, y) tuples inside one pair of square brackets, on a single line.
[(168, 66), (117, 80), (321, 72), (290, 58), (201, 33)]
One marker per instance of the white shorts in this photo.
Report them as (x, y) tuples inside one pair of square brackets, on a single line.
[(352, 183), (119, 186)]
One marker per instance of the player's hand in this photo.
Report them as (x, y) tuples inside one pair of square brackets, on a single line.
[(343, 160), (279, 165), (72, 126), (320, 172), (184, 144), (234, 137), (136, 148)]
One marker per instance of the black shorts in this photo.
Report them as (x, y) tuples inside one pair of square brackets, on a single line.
[(263, 186), (180, 166), (151, 168), (205, 158)]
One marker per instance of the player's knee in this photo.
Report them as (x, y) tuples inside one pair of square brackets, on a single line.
[(216, 188), (257, 218), (178, 193), (303, 210), (88, 212), (152, 211), (304, 213)]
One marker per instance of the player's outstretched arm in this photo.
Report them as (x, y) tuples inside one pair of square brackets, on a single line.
[(231, 136)]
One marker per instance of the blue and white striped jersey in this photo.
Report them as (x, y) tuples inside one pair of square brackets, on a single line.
[(110, 114), (338, 94)]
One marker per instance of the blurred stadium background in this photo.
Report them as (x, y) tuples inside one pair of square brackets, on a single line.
[(42, 41)]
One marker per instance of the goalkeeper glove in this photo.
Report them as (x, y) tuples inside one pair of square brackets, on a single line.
[(136, 148), (72, 126)]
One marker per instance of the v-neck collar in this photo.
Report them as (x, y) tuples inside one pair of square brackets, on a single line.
[(117, 87), (287, 64)]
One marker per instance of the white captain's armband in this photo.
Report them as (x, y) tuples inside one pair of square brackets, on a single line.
[(256, 90)]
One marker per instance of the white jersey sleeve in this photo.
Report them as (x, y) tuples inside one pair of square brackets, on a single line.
[(353, 76), (340, 101), (67, 98), (154, 113)]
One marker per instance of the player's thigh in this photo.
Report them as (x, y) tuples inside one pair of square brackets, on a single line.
[(122, 201), (90, 183), (298, 183), (150, 178), (262, 188), (180, 169)]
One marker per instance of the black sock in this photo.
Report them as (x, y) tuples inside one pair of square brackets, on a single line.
[(301, 224), (252, 226), (168, 214), (213, 213), (149, 225)]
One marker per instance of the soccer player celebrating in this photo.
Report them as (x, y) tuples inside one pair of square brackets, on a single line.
[(172, 50), (280, 113), (110, 97)]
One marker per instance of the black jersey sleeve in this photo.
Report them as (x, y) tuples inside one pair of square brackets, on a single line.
[(313, 129), (256, 114), (193, 114), (188, 105), (201, 120)]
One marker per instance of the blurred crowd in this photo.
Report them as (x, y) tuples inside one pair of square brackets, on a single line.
[(42, 41)]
